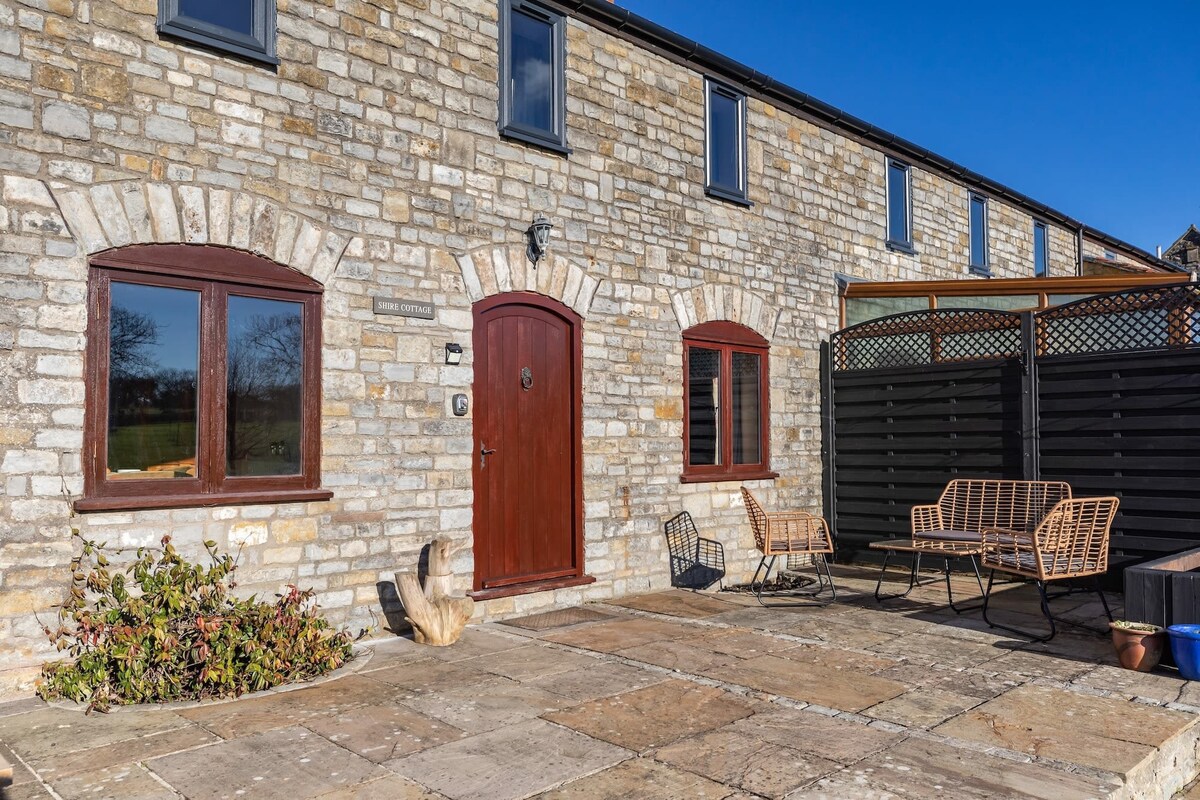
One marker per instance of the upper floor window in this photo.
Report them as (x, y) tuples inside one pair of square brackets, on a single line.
[(243, 28), (725, 158), (899, 205), (979, 235), (1041, 258), (726, 412), (203, 376), (532, 80)]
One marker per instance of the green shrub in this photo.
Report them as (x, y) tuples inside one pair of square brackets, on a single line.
[(167, 629)]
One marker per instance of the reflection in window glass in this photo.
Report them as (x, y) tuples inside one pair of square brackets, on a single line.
[(704, 381), (153, 357), (263, 374), (861, 309), (897, 204), (1041, 266), (979, 237), (996, 302), (235, 15), (746, 408), (724, 141), (532, 76)]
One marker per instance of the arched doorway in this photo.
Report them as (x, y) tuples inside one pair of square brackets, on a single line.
[(528, 470)]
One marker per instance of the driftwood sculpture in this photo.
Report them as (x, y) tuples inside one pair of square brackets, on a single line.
[(437, 617)]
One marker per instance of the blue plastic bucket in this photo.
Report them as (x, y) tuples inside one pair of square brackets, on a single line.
[(1185, 648)]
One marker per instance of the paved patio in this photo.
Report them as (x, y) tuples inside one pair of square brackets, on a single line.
[(670, 695)]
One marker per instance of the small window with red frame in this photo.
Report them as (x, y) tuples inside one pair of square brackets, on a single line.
[(726, 414)]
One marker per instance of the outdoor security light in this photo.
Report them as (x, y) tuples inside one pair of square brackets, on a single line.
[(539, 238), (454, 353)]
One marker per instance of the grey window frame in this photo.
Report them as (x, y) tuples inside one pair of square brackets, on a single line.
[(1040, 228), (905, 244), (734, 194), (984, 265), (260, 46), (554, 139)]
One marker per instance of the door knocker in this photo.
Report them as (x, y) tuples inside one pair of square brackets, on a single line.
[(526, 378)]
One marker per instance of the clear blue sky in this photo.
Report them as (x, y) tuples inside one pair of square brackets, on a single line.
[(1091, 108)]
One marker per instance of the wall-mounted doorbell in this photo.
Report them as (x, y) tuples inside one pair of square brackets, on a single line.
[(459, 403)]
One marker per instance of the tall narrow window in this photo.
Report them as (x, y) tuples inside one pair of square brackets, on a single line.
[(979, 235), (725, 160), (1041, 259), (899, 206), (725, 397), (532, 80), (243, 28), (203, 380)]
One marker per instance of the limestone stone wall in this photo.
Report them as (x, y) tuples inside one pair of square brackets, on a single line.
[(370, 160)]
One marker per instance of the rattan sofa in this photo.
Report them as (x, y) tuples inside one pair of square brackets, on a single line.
[(967, 507)]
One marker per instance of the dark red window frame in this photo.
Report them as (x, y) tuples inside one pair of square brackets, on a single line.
[(728, 338), (216, 273)]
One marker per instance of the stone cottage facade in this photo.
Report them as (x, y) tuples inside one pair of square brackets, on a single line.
[(365, 172)]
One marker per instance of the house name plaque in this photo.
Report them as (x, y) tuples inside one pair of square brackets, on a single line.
[(403, 308)]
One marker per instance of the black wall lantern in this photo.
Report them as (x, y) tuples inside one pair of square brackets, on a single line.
[(539, 238), (454, 353)]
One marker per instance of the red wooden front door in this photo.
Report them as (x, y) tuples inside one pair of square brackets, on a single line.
[(528, 500)]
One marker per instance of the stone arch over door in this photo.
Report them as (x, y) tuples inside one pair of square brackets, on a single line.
[(711, 302), (119, 213), (496, 270)]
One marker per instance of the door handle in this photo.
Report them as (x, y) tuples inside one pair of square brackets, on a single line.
[(484, 452)]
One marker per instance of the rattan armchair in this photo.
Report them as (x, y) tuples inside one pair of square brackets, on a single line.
[(788, 533), (1070, 542)]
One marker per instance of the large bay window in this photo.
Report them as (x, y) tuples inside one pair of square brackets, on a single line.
[(726, 409), (203, 380)]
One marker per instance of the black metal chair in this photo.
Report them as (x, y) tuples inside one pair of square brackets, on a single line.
[(696, 562)]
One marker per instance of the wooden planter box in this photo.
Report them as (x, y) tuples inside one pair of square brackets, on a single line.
[(1164, 592)]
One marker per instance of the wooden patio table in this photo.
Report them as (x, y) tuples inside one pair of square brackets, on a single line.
[(968, 550)]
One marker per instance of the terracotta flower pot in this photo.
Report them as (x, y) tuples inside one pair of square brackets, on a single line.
[(1138, 650)]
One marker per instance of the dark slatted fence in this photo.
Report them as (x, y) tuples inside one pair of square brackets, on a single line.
[(946, 401), (1103, 393), (1118, 380)]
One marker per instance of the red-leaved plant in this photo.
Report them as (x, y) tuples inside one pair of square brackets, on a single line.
[(167, 629)]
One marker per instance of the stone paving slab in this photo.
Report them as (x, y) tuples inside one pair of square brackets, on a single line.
[(255, 714), (383, 732), (926, 771), (476, 642), (692, 656), (389, 787), (643, 779), (654, 716), (512, 762), (127, 782), (822, 736), (621, 634), (49, 732), (559, 618), (678, 603), (1101, 732), (737, 757), (922, 708), (51, 766), (484, 706), (601, 680), (811, 683), (532, 661), (280, 764)]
